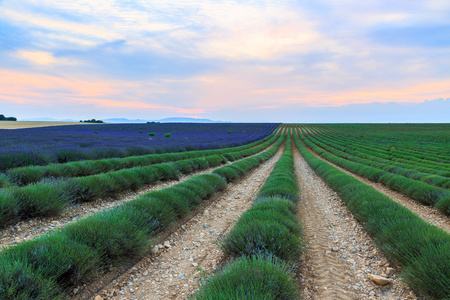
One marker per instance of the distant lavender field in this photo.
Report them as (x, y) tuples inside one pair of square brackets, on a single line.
[(59, 144)]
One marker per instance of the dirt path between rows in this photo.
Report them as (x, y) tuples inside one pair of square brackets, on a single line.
[(339, 254), (191, 253), (427, 213), (33, 227)]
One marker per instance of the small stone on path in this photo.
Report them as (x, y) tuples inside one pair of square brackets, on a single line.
[(389, 270), (380, 280)]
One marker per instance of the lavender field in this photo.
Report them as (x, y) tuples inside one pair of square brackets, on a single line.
[(59, 144)]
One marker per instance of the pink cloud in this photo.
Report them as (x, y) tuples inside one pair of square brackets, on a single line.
[(21, 87), (270, 91), (43, 58), (267, 107), (17, 99), (407, 92), (35, 84), (115, 103), (191, 111)]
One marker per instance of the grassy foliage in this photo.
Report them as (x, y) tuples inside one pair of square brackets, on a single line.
[(419, 247), (159, 213), (421, 273), (9, 208), (40, 199), (444, 205), (20, 281), (256, 277), (113, 234), (262, 237), (56, 257), (5, 181)]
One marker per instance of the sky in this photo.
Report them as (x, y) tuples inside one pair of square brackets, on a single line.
[(247, 61)]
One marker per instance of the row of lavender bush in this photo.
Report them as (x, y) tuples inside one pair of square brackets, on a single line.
[(48, 266)]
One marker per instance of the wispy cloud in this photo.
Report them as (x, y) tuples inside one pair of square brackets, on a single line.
[(267, 107), (205, 57), (43, 58)]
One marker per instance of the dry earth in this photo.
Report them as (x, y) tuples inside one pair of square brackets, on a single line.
[(340, 254), (190, 253), (32, 124)]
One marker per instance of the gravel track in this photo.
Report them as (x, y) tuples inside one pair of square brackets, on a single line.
[(339, 254), (192, 251)]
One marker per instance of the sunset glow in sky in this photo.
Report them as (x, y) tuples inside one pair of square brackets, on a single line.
[(221, 60)]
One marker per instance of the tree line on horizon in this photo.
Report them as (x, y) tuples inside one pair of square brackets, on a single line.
[(3, 118)]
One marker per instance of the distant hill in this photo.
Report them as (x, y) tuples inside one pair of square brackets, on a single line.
[(187, 120), (125, 120), (165, 120)]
